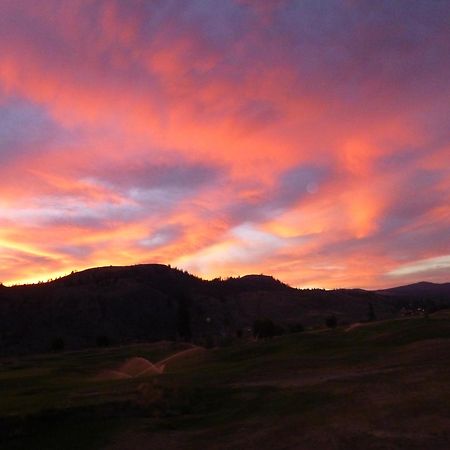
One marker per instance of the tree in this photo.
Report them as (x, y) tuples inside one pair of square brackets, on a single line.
[(57, 344), (184, 317), (371, 313), (264, 328), (296, 328), (103, 341)]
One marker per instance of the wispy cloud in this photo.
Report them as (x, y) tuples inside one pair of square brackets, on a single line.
[(306, 139)]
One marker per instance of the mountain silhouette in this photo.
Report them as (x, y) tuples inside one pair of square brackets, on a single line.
[(150, 302)]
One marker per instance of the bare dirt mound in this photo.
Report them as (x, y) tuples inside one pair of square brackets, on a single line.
[(353, 326), (139, 367), (111, 375), (180, 356), (135, 367)]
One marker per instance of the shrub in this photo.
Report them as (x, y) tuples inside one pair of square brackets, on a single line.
[(184, 316), (331, 321), (225, 341), (265, 328), (296, 328), (57, 344), (208, 341), (279, 330), (103, 341), (371, 313)]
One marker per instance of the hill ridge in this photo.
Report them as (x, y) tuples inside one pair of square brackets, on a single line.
[(151, 302)]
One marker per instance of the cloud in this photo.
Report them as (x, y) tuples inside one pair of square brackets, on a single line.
[(161, 237), (306, 138), (425, 267), (146, 175), (26, 128)]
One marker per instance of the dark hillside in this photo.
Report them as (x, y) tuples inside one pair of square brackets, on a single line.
[(117, 305), (422, 289), (429, 296)]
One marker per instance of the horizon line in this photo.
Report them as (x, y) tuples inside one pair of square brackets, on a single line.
[(58, 276)]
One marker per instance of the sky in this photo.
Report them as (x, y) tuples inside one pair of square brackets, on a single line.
[(305, 139)]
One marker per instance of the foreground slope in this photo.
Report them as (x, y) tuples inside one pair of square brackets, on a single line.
[(377, 386)]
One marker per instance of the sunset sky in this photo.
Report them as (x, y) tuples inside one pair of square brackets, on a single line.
[(308, 139)]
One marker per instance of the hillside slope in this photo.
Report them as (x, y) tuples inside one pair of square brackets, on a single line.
[(153, 302), (379, 386)]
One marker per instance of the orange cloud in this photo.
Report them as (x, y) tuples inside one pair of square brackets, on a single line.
[(227, 140)]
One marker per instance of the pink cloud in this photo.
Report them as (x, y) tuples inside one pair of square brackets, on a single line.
[(306, 142)]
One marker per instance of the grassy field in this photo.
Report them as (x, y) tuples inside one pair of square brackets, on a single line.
[(383, 385)]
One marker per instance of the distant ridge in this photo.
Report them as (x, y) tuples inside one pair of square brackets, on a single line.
[(422, 288), (151, 302), (255, 280)]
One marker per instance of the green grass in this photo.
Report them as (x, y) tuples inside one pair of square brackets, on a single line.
[(341, 389)]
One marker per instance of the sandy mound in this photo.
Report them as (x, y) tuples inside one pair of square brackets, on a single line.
[(180, 356), (112, 375), (354, 326), (139, 367), (135, 367)]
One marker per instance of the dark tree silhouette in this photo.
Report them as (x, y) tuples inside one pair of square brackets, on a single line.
[(371, 313), (184, 317), (265, 328), (331, 321), (296, 328), (57, 344), (103, 341)]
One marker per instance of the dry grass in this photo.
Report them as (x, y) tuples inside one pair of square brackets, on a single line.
[(383, 386)]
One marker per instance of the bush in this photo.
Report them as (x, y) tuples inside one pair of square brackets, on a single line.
[(371, 313), (265, 328), (103, 341), (331, 321), (279, 330), (208, 341), (296, 328), (57, 344), (225, 341)]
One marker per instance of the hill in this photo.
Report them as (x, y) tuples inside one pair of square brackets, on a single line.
[(422, 290), (119, 305)]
